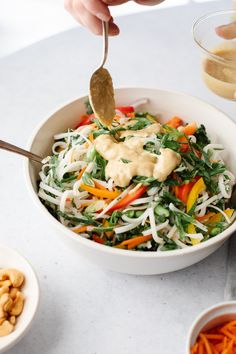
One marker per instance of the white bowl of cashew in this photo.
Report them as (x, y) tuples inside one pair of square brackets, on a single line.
[(167, 104), (30, 290)]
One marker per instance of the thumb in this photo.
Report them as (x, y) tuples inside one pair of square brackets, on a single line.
[(227, 31)]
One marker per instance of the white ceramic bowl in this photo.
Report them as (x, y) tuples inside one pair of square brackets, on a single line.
[(11, 259), (210, 318), (168, 104)]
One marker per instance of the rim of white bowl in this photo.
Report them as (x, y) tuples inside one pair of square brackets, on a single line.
[(106, 249), (205, 313), (21, 331)]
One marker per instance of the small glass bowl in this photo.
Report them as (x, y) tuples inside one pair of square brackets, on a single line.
[(219, 54), (210, 318)]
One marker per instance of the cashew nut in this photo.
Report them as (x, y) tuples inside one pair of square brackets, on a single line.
[(11, 299), (13, 292), (5, 283), (6, 328), (12, 320), (2, 320), (6, 302), (18, 304), (4, 289), (2, 313), (15, 276)]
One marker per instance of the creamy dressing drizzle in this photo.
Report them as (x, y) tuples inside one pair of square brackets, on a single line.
[(128, 159)]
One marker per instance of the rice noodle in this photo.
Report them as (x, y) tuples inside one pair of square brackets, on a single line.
[(139, 102), (198, 236), (153, 227), (208, 201), (115, 201), (158, 228), (142, 200), (47, 197)]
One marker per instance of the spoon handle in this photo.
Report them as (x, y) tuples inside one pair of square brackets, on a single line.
[(105, 28), (12, 148)]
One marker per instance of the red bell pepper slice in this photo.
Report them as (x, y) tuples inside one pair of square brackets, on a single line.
[(125, 109), (129, 198), (85, 120), (182, 192), (98, 239)]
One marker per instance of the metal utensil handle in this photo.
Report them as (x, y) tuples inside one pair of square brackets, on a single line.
[(105, 28), (12, 148)]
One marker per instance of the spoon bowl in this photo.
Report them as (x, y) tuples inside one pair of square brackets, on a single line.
[(101, 88)]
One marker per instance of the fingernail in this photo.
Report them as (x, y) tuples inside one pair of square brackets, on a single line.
[(103, 17)]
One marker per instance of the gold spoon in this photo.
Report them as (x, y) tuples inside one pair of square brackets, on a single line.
[(12, 148), (101, 88)]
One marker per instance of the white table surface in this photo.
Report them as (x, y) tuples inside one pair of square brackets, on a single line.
[(85, 309)]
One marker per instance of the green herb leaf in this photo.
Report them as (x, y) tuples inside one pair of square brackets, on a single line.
[(87, 179)]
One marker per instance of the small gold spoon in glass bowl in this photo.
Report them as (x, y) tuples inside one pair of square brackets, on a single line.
[(101, 94), (12, 148)]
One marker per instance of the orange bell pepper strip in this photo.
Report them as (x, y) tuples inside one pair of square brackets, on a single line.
[(129, 198)]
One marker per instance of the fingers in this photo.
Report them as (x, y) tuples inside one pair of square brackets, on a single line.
[(97, 8), (234, 96), (148, 2), (114, 2), (227, 31), (91, 14)]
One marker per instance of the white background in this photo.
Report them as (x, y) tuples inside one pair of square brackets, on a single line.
[(23, 22)]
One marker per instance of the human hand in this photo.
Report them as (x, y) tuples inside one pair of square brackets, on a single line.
[(91, 13), (227, 31)]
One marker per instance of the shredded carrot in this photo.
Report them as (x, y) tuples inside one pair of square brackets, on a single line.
[(194, 348), (135, 241), (98, 185), (218, 217), (80, 229), (81, 173), (91, 138), (227, 333), (184, 144), (218, 340), (100, 192), (229, 348), (201, 348), (205, 217), (189, 129), (109, 234), (175, 122), (206, 343), (214, 336)]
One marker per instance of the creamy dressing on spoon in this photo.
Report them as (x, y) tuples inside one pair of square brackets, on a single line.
[(128, 159)]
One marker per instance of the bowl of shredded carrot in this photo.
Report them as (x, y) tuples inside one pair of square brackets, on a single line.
[(214, 331)]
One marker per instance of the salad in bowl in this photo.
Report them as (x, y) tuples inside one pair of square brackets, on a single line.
[(140, 185)]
